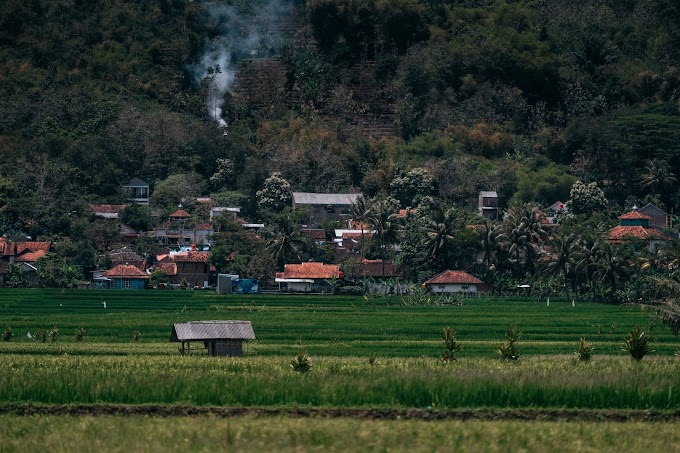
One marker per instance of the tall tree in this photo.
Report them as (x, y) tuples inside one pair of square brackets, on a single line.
[(385, 222)]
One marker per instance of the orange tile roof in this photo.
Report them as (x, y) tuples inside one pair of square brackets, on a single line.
[(180, 214), (30, 257), (15, 248), (622, 233), (125, 271), (312, 270), (167, 268), (190, 257), (635, 215), (453, 277)]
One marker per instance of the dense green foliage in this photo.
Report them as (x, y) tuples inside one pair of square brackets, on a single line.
[(95, 93)]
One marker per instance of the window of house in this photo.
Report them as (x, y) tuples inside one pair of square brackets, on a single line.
[(442, 286), (465, 286), (127, 284)]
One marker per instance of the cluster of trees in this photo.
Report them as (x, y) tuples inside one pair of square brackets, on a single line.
[(522, 97)]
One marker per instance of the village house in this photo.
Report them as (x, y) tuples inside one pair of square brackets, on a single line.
[(180, 231), (122, 276), (453, 282), (137, 191), (659, 219), (308, 277), (190, 268), (316, 235), (487, 204), (323, 207), (634, 226), (23, 252)]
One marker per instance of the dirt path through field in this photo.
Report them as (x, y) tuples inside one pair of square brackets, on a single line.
[(366, 414)]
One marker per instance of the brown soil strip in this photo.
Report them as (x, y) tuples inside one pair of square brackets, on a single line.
[(364, 414)]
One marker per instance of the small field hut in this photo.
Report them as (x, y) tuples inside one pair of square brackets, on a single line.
[(220, 338)]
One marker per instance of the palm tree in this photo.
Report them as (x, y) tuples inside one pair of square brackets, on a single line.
[(384, 223), (590, 251), (360, 212), (438, 234), (535, 233), (657, 175), (489, 243), (565, 255), (611, 267), (284, 246)]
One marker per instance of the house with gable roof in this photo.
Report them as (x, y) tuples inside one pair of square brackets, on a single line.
[(190, 267), (122, 276), (659, 219), (137, 191), (634, 226), (325, 206), (308, 277), (453, 282), (23, 252)]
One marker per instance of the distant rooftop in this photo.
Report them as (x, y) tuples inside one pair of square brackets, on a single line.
[(325, 198)]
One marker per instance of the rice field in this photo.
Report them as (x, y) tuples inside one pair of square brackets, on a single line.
[(535, 382), (366, 355), (181, 434), (322, 325)]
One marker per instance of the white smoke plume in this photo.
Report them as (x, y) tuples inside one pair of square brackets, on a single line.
[(240, 35)]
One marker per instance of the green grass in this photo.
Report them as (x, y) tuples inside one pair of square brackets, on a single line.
[(145, 434), (329, 326), (539, 382)]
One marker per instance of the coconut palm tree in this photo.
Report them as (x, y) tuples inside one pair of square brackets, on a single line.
[(564, 260), (657, 175), (611, 268), (360, 212), (489, 243), (287, 238), (385, 224), (438, 233)]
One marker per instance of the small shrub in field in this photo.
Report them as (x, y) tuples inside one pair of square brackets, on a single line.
[(41, 335), (584, 351), (53, 334), (7, 334), (508, 350), (79, 334), (450, 343), (636, 344), (372, 359), (136, 335), (301, 362)]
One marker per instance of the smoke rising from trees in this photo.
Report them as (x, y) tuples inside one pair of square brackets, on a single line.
[(247, 32)]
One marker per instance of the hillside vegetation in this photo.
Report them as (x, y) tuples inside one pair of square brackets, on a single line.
[(482, 93)]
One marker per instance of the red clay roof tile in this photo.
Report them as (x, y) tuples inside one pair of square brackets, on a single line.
[(635, 215), (453, 277), (312, 270), (125, 271)]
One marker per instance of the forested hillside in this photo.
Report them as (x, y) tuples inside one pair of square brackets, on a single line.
[(524, 97)]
